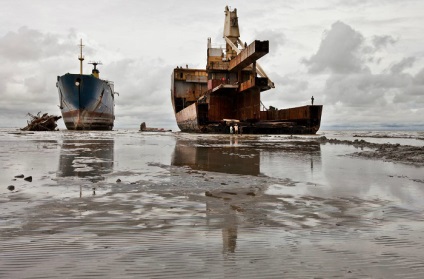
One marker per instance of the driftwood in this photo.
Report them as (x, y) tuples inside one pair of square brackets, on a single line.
[(44, 122)]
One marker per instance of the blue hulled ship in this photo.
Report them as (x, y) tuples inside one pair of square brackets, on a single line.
[(86, 101)]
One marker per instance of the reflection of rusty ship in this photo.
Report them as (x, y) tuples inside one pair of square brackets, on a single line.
[(228, 92), (237, 160)]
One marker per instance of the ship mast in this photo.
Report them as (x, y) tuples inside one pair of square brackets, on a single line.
[(81, 57)]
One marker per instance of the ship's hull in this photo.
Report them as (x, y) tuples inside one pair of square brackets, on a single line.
[(86, 102), (297, 120), (212, 106)]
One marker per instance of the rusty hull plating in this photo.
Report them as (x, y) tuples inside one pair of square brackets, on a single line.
[(229, 90)]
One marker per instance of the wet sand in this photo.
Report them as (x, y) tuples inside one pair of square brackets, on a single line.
[(125, 204)]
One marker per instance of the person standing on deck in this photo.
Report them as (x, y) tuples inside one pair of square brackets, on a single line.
[(312, 99), (235, 129), (231, 129)]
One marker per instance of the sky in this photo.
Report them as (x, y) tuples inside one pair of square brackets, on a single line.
[(361, 59)]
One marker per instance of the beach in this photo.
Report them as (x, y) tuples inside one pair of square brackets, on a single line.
[(130, 204)]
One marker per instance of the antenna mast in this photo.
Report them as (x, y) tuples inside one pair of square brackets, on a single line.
[(81, 57)]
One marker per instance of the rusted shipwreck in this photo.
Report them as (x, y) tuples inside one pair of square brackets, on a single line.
[(228, 92)]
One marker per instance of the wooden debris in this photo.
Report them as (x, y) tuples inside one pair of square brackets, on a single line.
[(144, 128), (44, 122)]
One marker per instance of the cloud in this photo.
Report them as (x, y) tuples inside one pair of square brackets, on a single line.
[(412, 94), (276, 38), (343, 50), (355, 94), (291, 84), (406, 63), (30, 62), (339, 52), (27, 45), (384, 41), (144, 86), (289, 90), (419, 77), (389, 97), (364, 90)]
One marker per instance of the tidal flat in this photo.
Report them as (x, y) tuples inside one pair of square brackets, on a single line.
[(130, 204)]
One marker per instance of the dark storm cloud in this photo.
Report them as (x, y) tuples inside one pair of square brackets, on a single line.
[(339, 52)]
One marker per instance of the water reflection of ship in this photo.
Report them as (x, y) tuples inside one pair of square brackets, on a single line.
[(233, 158), (275, 160), (88, 159), (229, 158)]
